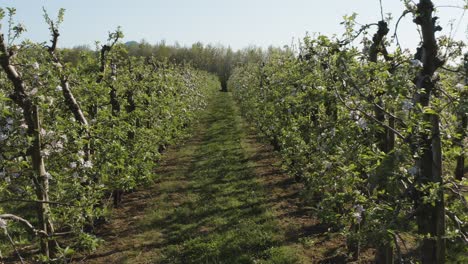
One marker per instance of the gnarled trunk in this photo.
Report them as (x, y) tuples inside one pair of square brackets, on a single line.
[(31, 116), (429, 216)]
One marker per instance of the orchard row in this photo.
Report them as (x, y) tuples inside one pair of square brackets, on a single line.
[(75, 136), (377, 137)]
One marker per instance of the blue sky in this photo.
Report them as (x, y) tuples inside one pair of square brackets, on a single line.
[(236, 23)]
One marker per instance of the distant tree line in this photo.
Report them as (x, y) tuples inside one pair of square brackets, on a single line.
[(216, 59)]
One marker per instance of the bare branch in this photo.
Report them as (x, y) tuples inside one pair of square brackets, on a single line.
[(451, 6), (367, 115), (66, 91), (450, 70), (381, 10), (395, 34), (34, 201), (363, 28), (354, 86), (25, 223)]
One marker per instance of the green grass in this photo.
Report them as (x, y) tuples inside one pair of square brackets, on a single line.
[(206, 206), (212, 208)]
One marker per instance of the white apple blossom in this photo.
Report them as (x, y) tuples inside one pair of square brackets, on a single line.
[(362, 123), (23, 127), (87, 164), (35, 65), (48, 176), (3, 137), (58, 88), (358, 217), (45, 153), (359, 210), (416, 63), (33, 91), (353, 115), (460, 87), (413, 170), (407, 105), (3, 223), (73, 165), (56, 144)]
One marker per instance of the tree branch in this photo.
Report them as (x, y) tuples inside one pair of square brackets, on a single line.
[(25, 223), (395, 34), (363, 28), (36, 201), (14, 246), (367, 115), (66, 91)]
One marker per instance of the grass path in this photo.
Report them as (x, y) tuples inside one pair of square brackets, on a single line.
[(219, 198)]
